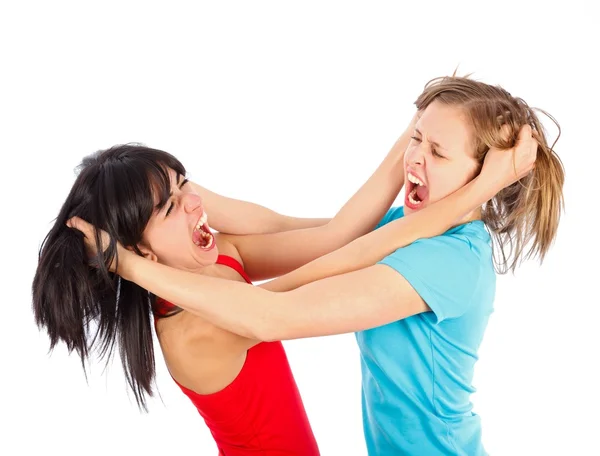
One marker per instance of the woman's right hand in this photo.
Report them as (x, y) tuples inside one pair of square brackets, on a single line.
[(503, 167), (89, 233)]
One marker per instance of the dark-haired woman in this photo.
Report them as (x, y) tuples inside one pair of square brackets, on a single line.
[(421, 313), (242, 387)]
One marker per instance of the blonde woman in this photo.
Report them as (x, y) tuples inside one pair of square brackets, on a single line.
[(420, 313)]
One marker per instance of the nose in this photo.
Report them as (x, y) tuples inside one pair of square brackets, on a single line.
[(414, 156), (191, 202)]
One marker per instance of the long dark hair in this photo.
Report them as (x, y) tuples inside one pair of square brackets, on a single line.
[(115, 190)]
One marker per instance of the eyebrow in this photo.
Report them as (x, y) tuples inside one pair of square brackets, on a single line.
[(432, 142), (178, 184), (160, 206)]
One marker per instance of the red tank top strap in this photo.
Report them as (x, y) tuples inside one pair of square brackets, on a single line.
[(233, 264), (162, 308), (241, 425)]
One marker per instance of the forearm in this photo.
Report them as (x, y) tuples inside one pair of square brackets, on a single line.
[(357, 217), (371, 248), (233, 216), (272, 255), (234, 306), (287, 223), (369, 204), (242, 217), (259, 314)]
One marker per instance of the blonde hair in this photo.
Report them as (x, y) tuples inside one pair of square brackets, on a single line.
[(527, 212)]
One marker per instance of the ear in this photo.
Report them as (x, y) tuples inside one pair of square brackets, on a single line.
[(147, 252)]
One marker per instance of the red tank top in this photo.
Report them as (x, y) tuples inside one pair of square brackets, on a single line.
[(261, 411)]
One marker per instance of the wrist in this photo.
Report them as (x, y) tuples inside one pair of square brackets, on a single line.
[(487, 185), (400, 146), (124, 268)]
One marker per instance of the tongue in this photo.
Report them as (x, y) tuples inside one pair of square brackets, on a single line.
[(422, 192), (197, 237)]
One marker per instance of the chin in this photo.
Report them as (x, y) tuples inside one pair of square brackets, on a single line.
[(410, 209), (207, 258)]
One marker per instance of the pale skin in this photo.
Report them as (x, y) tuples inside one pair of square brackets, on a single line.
[(200, 355), (234, 216), (348, 292)]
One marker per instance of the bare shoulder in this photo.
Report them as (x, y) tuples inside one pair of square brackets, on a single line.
[(199, 355)]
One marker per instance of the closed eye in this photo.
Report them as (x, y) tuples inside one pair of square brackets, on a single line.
[(183, 182), (434, 152)]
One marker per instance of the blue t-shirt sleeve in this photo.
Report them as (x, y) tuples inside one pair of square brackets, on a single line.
[(391, 215), (444, 270)]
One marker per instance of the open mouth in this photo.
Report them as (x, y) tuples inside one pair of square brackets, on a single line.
[(416, 191), (202, 235)]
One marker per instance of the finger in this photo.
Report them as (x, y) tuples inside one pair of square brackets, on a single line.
[(505, 132), (83, 226), (534, 147), (524, 133), (534, 131), (75, 222)]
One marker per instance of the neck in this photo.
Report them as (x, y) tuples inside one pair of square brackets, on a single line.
[(470, 217), (196, 269)]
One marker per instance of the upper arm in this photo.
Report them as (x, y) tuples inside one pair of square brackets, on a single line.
[(360, 253), (440, 274), (272, 255), (445, 270), (346, 303)]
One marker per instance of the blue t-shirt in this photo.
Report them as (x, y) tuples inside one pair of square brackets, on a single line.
[(417, 372)]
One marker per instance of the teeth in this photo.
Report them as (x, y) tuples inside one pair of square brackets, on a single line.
[(202, 220), (206, 236), (414, 179), (411, 197)]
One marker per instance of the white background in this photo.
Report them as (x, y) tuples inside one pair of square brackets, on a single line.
[(292, 106)]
